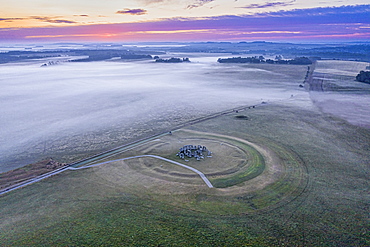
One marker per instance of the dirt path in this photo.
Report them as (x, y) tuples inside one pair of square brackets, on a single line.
[(37, 179), (33, 180), (205, 179)]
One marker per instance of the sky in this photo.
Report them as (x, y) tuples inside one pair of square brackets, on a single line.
[(184, 20)]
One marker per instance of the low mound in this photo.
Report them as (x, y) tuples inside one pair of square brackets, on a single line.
[(241, 117)]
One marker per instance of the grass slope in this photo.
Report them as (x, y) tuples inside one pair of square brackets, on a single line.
[(81, 209)]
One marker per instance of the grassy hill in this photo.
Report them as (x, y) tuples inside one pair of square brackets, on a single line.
[(85, 208)]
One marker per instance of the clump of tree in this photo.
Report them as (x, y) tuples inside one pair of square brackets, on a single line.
[(172, 60), (363, 76), (261, 59), (50, 63), (300, 61)]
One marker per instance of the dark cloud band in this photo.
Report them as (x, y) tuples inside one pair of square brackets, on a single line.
[(39, 18), (132, 12), (268, 5)]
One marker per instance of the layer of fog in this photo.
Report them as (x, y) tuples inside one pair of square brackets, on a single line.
[(88, 107), (354, 108), (351, 101)]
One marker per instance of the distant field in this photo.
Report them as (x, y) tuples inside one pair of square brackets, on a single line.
[(343, 96), (285, 174)]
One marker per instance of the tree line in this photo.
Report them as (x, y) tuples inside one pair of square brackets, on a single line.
[(172, 60), (261, 59)]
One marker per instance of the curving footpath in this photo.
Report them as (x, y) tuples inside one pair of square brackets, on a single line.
[(205, 179), (39, 178)]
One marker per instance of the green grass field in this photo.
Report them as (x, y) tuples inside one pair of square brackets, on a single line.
[(85, 208)]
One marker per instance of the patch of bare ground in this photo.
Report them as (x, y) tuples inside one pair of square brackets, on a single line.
[(10, 178)]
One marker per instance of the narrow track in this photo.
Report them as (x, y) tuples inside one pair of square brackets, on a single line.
[(205, 179), (32, 180), (39, 178)]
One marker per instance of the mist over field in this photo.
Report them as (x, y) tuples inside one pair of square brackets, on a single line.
[(71, 110), (290, 167), (351, 104)]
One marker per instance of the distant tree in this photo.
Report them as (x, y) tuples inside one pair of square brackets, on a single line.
[(255, 60), (363, 76), (172, 60), (300, 61), (155, 57), (278, 57), (281, 61), (261, 59), (240, 60)]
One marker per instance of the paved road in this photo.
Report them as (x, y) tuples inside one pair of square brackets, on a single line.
[(39, 178)]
